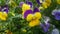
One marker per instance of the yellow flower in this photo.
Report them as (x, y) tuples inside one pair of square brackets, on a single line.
[(29, 17), (25, 7), (34, 23), (34, 19), (3, 15), (46, 3), (58, 1)]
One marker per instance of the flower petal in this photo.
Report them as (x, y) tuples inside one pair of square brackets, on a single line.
[(27, 12), (29, 3), (21, 3), (38, 1), (36, 10)]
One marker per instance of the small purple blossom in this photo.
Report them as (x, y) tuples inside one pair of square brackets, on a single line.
[(29, 3), (30, 12), (45, 27), (36, 10), (38, 1), (21, 3), (56, 14), (4, 8)]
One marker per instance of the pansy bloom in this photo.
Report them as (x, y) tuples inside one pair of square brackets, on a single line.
[(33, 17), (46, 25), (29, 3), (25, 6), (3, 12), (56, 14), (44, 3)]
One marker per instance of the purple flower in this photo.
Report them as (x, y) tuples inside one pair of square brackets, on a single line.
[(38, 1), (30, 12), (29, 3), (56, 14), (36, 10), (45, 27), (4, 8), (21, 3)]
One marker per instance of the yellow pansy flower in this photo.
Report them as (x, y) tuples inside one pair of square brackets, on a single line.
[(25, 7), (3, 15), (46, 3), (34, 19)]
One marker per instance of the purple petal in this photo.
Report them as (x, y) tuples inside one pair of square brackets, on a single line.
[(36, 10), (45, 27), (29, 3), (27, 12), (56, 13), (38, 1), (21, 3), (5, 9), (57, 17)]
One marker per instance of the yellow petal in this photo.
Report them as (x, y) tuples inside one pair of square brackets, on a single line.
[(48, 1), (4, 14), (34, 23), (29, 17), (25, 7), (44, 4), (38, 15), (3, 18)]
